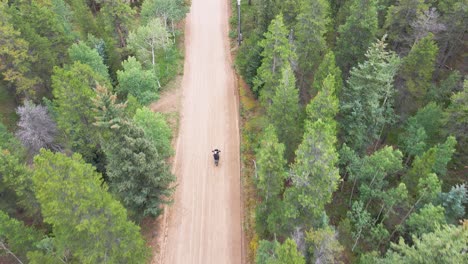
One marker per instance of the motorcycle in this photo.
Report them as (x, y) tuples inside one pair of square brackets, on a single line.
[(216, 156)]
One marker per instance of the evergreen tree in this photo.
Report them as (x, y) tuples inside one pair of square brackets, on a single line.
[(86, 219), (277, 53), (398, 22), (328, 67), (314, 176), (434, 160), (417, 68), (356, 35), (17, 239), (367, 104), (311, 27), (73, 89), (267, 11), (137, 173), (445, 245), (270, 182), (325, 104), (426, 220), (454, 203), (284, 112), (456, 118)]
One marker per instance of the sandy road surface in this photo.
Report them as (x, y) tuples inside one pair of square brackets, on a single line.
[(204, 223)]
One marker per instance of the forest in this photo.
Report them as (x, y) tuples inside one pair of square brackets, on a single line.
[(357, 129), (83, 160)]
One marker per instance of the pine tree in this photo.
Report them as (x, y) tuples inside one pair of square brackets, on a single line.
[(356, 35), (398, 22), (17, 239), (284, 112), (86, 219), (73, 90), (314, 175), (277, 52), (270, 181), (327, 67), (137, 173), (367, 104), (417, 68), (311, 27), (445, 245)]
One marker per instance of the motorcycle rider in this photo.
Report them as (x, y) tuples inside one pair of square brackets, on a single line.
[(216, 155)]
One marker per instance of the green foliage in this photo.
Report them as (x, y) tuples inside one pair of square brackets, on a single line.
[(446, 244), (456, 118), (169, 11), (73, 89), (138, 82), (156, 130), (356, 35), (8, 141), (454, 203), (137, 173), (399, 20), (372, 173), (324, 246), (267, 11), (16, 176), (325, 103), (147, 40), (85, 55), (15, 60), (328, 67), (417, 68), (16, 236), (426, 220), (44, 32), (367, 105), (277, 52), (86, 219), (314, 175), (248, 60), (276, 253), (284, 112), (271, 175), (422, 130), (310, 30)]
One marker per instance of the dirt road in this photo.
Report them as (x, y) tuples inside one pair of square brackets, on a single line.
[(204, 223)]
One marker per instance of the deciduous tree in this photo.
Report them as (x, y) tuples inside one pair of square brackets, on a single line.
[(86, 219), (36, 129), (134, 80), (156, 130)]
